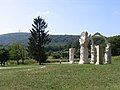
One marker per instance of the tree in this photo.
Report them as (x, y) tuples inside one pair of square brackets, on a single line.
[(38, 39), (56, 55), (16, 52), (4, 56), (115, 45)]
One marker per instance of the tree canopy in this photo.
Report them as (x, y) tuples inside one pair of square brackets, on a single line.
[(16, 52), (4, 55)]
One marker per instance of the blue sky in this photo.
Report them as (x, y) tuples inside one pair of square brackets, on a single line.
[(63, 16)]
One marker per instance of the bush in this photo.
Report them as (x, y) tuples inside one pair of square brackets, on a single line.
[(56, 55), (65, 54)]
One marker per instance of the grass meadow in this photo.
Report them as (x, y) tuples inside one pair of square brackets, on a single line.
[(55, 76)]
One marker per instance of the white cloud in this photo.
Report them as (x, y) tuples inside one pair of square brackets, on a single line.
[(44, 13)]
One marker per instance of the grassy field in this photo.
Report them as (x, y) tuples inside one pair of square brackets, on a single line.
[(61, 77)]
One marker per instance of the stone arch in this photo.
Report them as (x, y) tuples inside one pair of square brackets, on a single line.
[(106, 53), (98, 34)]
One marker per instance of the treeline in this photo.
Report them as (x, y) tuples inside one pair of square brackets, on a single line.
[(58, 48), (113, 40), (14, 52), (18, 52), (115, 45), (56, 40)]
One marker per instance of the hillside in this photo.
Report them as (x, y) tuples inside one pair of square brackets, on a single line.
[(7, 39), (58, 42)]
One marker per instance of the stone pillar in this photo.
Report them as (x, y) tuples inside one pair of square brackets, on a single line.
[(83, 55), (108, 54), (84, 48), (93, 54), (99, 53), (71, 55)]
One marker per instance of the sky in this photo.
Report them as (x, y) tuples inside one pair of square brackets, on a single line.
[(69, 17)]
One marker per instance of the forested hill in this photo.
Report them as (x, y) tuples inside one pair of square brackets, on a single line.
[(59, 42), (7, 39)]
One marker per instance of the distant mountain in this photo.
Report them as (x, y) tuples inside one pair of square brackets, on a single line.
[(57, 40), (7, 39)]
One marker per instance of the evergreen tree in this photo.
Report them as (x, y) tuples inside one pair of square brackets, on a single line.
[(37, 40)]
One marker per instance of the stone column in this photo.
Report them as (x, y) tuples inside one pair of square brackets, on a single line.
[(83, 55), (84, 48), (99, 55), (71, 55), (93, 55), (108, 54)]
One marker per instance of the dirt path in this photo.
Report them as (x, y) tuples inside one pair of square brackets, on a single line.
[(20, 67)]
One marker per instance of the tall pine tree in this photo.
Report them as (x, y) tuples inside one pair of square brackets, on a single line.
[(37, 40)]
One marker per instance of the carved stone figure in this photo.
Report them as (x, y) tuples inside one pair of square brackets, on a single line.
[(84, 48)]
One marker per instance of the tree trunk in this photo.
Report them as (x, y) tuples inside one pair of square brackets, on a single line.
[(22, 61), (1, 63), (4, 63), (18, 62), (39, 62)]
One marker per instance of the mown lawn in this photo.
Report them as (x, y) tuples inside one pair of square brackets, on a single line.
[(62, 77)]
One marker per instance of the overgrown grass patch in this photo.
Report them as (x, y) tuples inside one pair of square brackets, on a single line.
[(62, 77)]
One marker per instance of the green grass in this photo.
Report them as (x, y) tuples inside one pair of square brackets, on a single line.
[(62, 77)]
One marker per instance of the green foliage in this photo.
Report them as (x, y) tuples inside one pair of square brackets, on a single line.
[(60, 54), (56, 55), (75, 45), (99, 41), (17, 52), (65, 54), (115, 45), (4, 55), (77, 53), (37, 40)]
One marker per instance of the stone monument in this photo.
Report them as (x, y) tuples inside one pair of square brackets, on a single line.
[(71, 55), (108, 54), (84, 48), (99, 55), (93, 54)]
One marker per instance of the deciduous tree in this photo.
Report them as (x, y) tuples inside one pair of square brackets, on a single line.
[(4, 56)]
